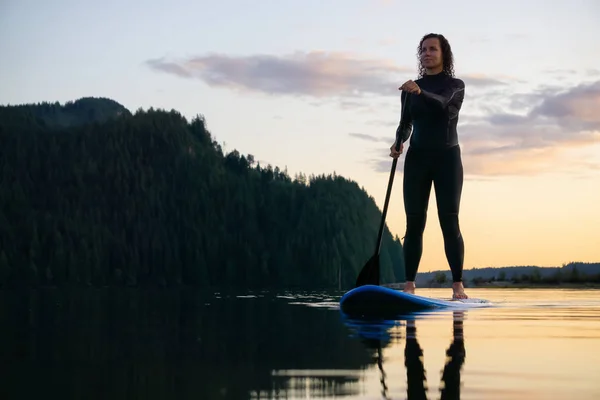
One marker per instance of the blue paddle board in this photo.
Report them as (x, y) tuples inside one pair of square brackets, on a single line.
[(374, 299)]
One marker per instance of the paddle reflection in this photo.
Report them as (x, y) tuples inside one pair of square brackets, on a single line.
[(380, 334)]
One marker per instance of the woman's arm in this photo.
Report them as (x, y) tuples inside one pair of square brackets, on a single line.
[(451, 98), (405, 126)]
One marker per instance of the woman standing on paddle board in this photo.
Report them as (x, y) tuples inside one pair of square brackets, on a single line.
[(431, 111)]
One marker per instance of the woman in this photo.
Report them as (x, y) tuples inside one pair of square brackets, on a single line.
[(432, 106)]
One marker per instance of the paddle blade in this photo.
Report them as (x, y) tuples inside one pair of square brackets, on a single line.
[(369, 275)]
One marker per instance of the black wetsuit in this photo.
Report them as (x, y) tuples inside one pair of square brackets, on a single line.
[(433, 157)]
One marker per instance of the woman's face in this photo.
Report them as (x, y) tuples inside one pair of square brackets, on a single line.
[(431, 54)]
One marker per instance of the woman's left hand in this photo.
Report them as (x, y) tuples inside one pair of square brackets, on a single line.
[(410, 87)]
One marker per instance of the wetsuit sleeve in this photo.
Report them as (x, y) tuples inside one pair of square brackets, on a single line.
[(405, 126), (450, 100)]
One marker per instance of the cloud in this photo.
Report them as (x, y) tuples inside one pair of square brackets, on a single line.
[(577, 108), (480, 80), (316, 74), (560, 71), (170, 68), (552, 117), (570, 73), (593, 72), (509, 143)]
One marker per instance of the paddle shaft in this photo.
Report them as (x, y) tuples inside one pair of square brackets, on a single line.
[(369, 274), (385, 206), (389, 188)]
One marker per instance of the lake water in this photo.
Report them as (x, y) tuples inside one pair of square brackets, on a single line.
[(168, 344)]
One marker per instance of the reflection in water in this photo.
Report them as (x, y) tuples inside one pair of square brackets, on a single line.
[(165, 343), (377, 335), (384, 388), (156, 344), (415, 371)]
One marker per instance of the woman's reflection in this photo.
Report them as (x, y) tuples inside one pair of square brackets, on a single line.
[(415, 371)]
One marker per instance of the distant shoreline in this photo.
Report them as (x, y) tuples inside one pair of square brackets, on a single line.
[(574, 275), (506, 285), (582, 285)]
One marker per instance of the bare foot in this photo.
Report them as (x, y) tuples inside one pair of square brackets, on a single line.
[(409, 287), (459, 291)]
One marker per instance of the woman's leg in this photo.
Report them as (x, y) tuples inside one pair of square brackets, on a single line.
[(448, 181), (416, 190)]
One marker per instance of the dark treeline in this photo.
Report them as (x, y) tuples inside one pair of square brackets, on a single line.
[(94, 195)]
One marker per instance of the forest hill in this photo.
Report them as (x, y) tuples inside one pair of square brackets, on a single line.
[(95, 195)]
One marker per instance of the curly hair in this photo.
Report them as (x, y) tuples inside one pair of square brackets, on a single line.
[(447, 56)]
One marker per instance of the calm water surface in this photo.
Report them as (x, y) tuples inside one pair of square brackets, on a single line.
[(166, 344)]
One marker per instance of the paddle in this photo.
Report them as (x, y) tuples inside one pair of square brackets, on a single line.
[(369, 275)]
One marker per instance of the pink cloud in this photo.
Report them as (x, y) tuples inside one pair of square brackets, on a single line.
[(507, 143), (315, 74)]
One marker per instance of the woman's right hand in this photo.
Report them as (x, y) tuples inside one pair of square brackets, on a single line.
[(396, 153)]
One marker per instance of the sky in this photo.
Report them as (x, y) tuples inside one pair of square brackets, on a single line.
[(312, 86)]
